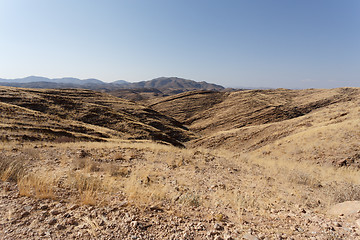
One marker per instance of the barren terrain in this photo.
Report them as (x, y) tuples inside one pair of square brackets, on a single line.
[(255, 164)]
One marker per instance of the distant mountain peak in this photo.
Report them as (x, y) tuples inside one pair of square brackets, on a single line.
[(120, 82), (170, 85)]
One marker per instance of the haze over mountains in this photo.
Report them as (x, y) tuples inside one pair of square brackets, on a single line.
[(94, 84)]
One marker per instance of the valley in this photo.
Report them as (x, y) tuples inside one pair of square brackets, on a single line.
[(199, 164)]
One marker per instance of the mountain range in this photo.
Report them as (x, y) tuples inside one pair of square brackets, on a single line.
[(173, 83)]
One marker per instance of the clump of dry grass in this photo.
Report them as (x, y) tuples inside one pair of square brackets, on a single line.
[(314, 185), (119, 156), (143, 188), (305, 178), (85, 163), (116, 170), (344, 191), (88, 187), (191, 199), (93, 226), (12, 169), (37, 185)]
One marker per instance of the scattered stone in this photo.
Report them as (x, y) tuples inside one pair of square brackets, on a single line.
[(200, 227), (52, 221), (156, 209), (212, 233), (60, 227), (73, 207), (72, 221), (123, 204), (114, 209), (27, 208), (337, 224), (25, 214), (82, 153), (228, 237), (7, 186), (44, 207), (144, 226), (54, 212), (218, 227), (134, 224)]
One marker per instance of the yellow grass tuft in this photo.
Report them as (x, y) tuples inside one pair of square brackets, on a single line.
[(40, 186)]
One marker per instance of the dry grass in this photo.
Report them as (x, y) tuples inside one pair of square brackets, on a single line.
[(313, 183), (247, 173), (81, 115), (229, 185), (93, 226), (40, 186), (11, 169)]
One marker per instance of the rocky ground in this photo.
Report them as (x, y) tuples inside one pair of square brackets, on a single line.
[(123, 216), (28, 218)]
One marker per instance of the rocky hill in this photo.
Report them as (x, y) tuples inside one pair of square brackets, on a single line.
[(31, 114), (133, 91), (174, 83), (260, 119)]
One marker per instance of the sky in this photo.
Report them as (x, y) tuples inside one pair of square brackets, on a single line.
[(235, 43)]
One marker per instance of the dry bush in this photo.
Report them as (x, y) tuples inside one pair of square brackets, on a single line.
[(304, 178), (91, 189), (85, 163), (79, 163), (119, 156), (191, 199), (40, 186), (88, 197), (116, 170), (142, 188), (93, 226), (312, 185), (344, 191), (12, 169)]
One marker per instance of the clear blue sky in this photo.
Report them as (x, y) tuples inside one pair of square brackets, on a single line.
[(254, 43)]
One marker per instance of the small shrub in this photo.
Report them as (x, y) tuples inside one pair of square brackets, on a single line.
[(119, 156), (87, 186), (37, 186), (303, 178), (190, 199), (85, 163), (344, 191), (11, 169)]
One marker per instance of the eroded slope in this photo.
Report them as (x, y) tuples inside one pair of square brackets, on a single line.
[(121, 117), (218, 111), (314, 124)]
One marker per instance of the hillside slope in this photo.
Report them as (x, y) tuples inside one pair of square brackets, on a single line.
[(185, 106), (308, 124), (89, 109), (227, 110), (259, 166)]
